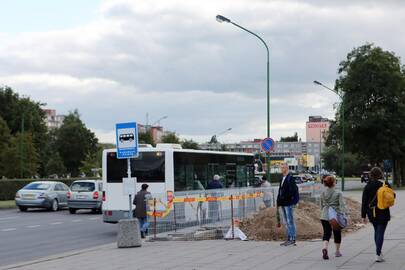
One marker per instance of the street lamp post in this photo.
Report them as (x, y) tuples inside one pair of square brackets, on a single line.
[(222, 19), (343, 128)]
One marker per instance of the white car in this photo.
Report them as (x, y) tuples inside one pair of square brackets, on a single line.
[(85, 194)]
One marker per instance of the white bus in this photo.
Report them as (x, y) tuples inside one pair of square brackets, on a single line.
[(169, 169)]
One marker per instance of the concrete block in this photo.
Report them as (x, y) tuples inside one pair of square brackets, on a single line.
[(129, 234)]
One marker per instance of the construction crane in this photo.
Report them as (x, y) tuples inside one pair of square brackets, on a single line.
[(215, 136)]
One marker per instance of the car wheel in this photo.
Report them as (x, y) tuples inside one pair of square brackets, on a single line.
[(72, 211), (22, 208), (55, 205)]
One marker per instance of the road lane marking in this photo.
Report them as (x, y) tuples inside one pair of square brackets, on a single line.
[(33, 226), (6, 218), (8, 230), (56, 223), (76, 220), (94, 218)]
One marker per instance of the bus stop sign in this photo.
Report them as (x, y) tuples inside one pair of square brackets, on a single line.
[(127, 140), (267, 145)]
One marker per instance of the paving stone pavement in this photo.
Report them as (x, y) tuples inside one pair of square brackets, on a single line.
[(357, 249)]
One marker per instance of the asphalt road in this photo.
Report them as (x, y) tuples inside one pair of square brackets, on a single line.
[(39, 233)]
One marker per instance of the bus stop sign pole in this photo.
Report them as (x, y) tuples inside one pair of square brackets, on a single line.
[(127, 148)]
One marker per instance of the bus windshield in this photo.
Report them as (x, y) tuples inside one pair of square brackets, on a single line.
[(148, 167)]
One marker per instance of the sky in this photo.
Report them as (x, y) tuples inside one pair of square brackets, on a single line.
[(117, 61)]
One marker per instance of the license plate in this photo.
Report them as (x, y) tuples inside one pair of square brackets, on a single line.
[(29, 196), (81, 197)]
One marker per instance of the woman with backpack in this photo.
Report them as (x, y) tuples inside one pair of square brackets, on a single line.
[(331, 198), (378, 216)]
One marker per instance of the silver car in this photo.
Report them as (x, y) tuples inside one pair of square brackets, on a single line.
[(85, 194), (42, 194)]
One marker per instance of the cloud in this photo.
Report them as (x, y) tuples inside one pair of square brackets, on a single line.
[(172, 58)]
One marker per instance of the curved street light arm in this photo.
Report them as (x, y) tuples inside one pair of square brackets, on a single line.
[(256, 35), (330, 89)]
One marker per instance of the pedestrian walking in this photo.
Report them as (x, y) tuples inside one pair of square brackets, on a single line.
[(379, 216), (331, 198), (266, 191), (213, 206), (287, 198), (141, 202)]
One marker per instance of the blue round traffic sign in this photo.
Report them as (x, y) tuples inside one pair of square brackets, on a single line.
[(267, 144)]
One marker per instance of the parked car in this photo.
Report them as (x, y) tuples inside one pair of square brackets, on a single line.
[(298, 179), (85, 194), (307, 177), (365, 176), (51, 195)]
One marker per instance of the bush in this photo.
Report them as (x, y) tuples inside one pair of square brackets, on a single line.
[(275, 177), (9, 187)]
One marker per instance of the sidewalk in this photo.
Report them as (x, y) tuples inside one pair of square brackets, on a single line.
[(357, 249)]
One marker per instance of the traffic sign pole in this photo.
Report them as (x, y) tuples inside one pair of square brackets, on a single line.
[(127, 148), (130, 215)]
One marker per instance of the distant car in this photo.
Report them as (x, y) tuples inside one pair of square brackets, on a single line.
[(85, 194), (42, 194), (298, 179), (365, 176), (307, 177)]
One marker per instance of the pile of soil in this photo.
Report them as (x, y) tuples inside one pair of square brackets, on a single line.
[(263, 225)]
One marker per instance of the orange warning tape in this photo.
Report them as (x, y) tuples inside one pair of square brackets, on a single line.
[(172, 200)]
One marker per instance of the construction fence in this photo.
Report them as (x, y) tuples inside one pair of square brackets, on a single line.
[(209, 214)]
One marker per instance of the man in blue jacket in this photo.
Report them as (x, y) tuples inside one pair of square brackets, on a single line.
[(288, 196), (213, 207)]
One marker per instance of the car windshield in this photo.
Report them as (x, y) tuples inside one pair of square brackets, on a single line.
[(37, 186), (83, 186)]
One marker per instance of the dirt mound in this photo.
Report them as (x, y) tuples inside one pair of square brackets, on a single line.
[(263, 225)]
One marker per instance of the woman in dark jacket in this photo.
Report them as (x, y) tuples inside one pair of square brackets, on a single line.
[(382, 216)]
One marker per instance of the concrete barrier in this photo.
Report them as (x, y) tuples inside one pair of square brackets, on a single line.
[(129, 234)]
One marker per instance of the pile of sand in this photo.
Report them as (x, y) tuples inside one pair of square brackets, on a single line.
[(263, 225)]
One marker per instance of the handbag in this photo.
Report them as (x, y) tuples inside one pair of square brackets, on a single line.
[(337, 220)]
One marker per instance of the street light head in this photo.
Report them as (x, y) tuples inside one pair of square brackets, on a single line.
[(318, 83), (229, 129), (222, 19)]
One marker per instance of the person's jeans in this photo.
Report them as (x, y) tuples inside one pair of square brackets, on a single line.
[(143, 224), (379, 231), (288, 214)]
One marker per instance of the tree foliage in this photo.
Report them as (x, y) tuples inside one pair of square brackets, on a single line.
[(23, 114), (189, 144), (170, 137), (372, 85), (293, 138), (22, 158), (355, 164), (145, 137), (75, 142)]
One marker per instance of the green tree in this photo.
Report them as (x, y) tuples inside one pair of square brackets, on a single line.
[(22, 158), (5, 138), (372, 83), (24, 115), (145, 137), (293, 138), (355, 164), (189, 144), (170, 137), (75, 142), (55, 165)]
